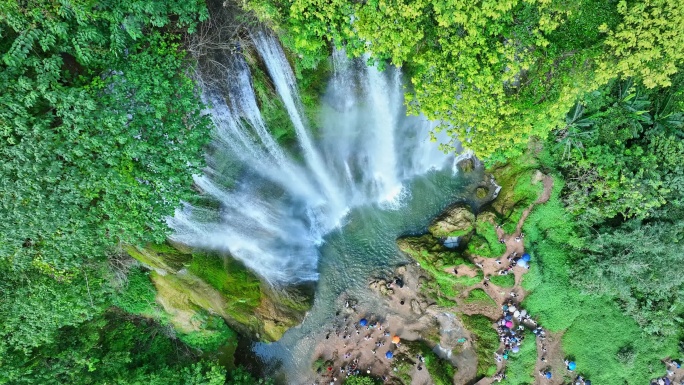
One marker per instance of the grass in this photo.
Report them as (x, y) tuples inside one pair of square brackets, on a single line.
[(486, 342), (504, 281), (608, 346), (479, 296), (487, 231), (520, 366)]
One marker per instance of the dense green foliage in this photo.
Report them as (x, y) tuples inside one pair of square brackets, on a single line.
[(497, 72), (110, 349), (34, 306), (639, 264), (100, 134), (137, 297), (620, 153), (621, 150), (597, 332), (100, 127)]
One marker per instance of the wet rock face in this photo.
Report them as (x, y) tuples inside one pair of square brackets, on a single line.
[(382, 286), (466, 165), (183, 294), (455, 221)]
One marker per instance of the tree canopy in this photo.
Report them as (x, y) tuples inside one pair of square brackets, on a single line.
[(100, 127), (494, 72)]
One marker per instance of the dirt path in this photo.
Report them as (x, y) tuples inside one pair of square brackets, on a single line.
[(350, 348), (550, 357), (553, 358)]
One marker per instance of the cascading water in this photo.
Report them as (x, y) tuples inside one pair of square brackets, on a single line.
[(274, 216)]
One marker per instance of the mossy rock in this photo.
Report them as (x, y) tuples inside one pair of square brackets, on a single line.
[(519, 186), (486, 342), (163, 258), (456, 221), (485, 242), (430, 253), (187, 284), (466, 165), (441, 371)]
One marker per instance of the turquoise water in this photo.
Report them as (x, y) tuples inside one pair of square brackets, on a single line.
[(364, 247)]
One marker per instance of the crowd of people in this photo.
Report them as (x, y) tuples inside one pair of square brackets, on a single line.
[(510, 328), (358, 337)]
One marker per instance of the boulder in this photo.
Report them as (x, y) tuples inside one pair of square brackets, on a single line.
[(466, 165), (454, 222)]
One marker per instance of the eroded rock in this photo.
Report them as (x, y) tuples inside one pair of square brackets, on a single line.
[(455, 222)]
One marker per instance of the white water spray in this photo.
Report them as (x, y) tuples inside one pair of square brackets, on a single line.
[(274, 210)]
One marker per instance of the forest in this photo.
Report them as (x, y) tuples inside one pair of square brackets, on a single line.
[(107, 122)]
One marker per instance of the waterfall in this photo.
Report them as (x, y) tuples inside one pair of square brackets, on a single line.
[(274, 207)]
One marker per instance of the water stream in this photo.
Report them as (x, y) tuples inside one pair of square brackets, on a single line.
[(329, 211)]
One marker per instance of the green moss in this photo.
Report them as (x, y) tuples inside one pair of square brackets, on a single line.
[(240, 288), (159, 256), (441, 371), (517, 190), (479, 296), (486, 342), (504, 281), (434, 259), (466, 281), (273, 110), (441, 294), (459, 233), (487, 231), (312, 84)]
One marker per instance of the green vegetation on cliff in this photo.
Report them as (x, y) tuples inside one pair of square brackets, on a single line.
[(486, 342), (93, 98), (495, 72)]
